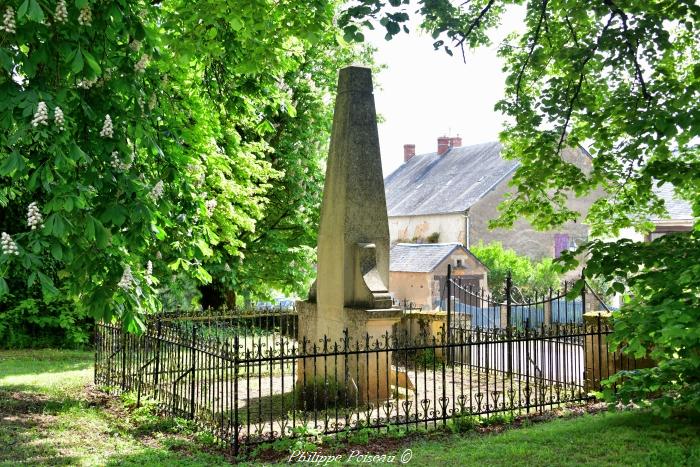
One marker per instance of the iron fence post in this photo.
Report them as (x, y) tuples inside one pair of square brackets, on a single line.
[(583, 292), (236, 362), (98, 343), (449, 312), (193, 369), (123, 360), (509, 288), (156, 376)]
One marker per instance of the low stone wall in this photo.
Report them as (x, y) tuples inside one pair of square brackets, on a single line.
[(602, 358), (422, 326)]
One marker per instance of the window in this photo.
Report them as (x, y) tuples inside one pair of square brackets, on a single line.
[(459, 263), (561, 244)]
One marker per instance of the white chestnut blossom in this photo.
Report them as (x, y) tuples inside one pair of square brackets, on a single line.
[(41, 117), (34, 218), (149, 272), (211, 206), (8, 21), (86, 83), (107, 128), (61, 13), (152, 101), (141, 65), (9, 247), (58, 118), (159, 255), (127, 278), (135, 45), (118, 164), (85, 16), (157, 191)]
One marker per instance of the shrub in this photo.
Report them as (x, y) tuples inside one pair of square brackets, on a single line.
[(34, 323), (321, 395), (527, 275), (461, 423), (433, 237)]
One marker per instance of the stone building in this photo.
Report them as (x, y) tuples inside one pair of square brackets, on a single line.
[(417, 272), (451, 195)]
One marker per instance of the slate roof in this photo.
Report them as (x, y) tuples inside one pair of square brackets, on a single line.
[(678, 209), (420, 257), (453, 182)]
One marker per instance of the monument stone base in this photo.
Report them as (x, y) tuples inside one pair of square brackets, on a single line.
[(352, 351)]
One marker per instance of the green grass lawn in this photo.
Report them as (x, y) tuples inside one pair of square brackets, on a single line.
[(616, 438), (46, 418), (49, 417)]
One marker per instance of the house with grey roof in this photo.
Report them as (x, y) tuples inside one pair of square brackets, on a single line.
[(680, 216), (450, 196), (417, 272)]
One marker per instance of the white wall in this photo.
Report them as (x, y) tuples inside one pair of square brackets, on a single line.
[(407, 228)]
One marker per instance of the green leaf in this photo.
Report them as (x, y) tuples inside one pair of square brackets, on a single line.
[(90, 228), (77, 65), (236, 23), (203, 275), (55, 225), (5, 61), (115, 214), (204, 248), (102, 235), (35, 12), (22, 10), (47, 286), (57, 251), (76, 153), (92, 63), (4, 289), (12, 164)]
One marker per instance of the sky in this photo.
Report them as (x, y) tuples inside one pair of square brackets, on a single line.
[(424, 93)]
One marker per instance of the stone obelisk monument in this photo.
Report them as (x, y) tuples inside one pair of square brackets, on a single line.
[(351, 292)]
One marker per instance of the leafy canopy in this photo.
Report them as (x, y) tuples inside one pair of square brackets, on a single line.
[(623, 78), (151, 140)]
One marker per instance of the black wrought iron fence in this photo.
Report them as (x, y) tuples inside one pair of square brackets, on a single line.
[(250, 387), (477, 306)]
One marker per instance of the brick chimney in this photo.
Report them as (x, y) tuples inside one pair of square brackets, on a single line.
[(409, 150), (443, 144), (456, 142)]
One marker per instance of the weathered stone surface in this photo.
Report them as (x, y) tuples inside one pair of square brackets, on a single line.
[(351, 293), (353, 244)]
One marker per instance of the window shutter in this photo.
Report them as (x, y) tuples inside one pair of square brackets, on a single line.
[(561, 243)]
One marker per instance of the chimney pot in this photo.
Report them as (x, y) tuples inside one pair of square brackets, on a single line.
[(409, 150)]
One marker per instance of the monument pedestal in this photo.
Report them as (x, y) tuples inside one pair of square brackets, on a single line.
[(357, 361)]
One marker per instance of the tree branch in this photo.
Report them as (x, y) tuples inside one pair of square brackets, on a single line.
[(474, 24), (632, 49), (581, 77), (535, 41)]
